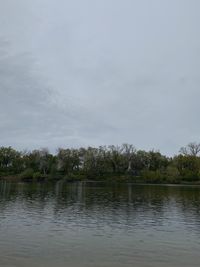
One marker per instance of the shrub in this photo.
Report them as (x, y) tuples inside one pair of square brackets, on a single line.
[(152, 176), (27, 174), (37, 175)]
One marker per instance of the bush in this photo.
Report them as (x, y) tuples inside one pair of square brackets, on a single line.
[(37, 175), (190, 176), (153, 176), (27, 174), (172, 174)]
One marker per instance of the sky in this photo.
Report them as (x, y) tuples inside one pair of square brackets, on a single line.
[(89, 73)]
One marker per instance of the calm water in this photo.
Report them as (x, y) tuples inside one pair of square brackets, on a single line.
[(83, 225)]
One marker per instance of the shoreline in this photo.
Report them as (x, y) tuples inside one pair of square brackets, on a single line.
[(15, 179)]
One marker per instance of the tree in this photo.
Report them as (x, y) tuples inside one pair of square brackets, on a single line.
[(188, 166), (68, 160), (10, 160), (129, 152), (192, 149), (115, 157)]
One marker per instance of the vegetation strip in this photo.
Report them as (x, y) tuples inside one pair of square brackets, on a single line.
[(106, 163)]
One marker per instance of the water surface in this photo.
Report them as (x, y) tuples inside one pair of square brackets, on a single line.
[(98, 225)]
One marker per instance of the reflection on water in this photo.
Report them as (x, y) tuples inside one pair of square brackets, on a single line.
[(93, 224)]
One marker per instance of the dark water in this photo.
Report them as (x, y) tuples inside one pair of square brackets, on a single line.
[(99, 225)]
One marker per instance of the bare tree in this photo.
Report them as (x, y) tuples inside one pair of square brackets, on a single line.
[(129, 152), (192, 149)]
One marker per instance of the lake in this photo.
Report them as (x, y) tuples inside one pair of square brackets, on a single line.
[(99, 225)]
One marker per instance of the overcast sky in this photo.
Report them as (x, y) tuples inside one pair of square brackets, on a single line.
[(95, 72)]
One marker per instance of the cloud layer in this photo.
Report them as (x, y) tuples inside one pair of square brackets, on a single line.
[(99, 72)]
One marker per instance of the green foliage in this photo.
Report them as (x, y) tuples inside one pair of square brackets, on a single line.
[(188, 167), (153, 176), (172, 174), (10, 161), (119, 163), (37, 176), (27, 174)]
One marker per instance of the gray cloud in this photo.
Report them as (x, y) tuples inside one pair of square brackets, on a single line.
[(32, 114), (99, 72)]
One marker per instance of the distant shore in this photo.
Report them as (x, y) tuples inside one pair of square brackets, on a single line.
[(105, 163), (110, 180)]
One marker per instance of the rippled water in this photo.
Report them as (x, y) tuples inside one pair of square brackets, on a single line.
[(88, 224)]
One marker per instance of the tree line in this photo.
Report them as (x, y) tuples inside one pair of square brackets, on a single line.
[(115, 163)]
